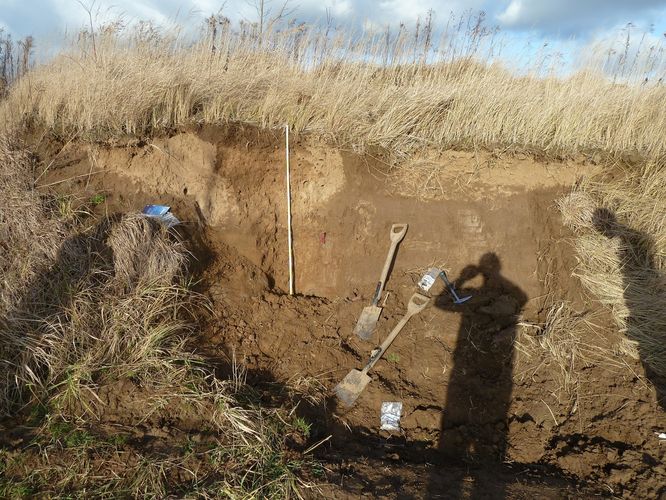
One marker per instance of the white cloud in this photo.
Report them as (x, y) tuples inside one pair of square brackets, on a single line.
[(513, 13), (340, 7), (578, 17)]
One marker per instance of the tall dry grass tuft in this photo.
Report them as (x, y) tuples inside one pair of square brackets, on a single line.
[(620, 221), (399, 90)]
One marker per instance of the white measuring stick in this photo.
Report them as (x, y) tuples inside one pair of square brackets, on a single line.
[(289, 235)]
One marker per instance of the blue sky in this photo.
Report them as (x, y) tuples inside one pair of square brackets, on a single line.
[(567, 26)]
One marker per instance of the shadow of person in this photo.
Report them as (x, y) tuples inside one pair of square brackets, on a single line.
[(644, 294), (478, 395), (43, 301)]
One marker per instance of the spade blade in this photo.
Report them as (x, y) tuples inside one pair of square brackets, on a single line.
[(350, 387), (367, 322)]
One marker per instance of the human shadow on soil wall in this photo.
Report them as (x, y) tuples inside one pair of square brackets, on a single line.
[(46, 300), (474, 425), (642, 296)]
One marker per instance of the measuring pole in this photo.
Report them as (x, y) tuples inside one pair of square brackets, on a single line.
[(289, 235)]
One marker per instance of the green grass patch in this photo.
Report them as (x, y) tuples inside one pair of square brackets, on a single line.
[(97, 199)]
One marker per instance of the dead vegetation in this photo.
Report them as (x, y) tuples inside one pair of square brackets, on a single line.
[(620, 221), (400, 90), (96, 317), (567, 340)]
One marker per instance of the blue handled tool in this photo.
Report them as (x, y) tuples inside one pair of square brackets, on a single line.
[(452, 290)]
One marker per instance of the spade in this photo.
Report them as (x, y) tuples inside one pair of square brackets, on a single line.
[(349, 389), (368, 320)]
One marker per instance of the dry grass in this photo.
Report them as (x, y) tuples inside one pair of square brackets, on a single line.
[(391, 90), (29, 231), (620, 221), (97, 312), (567, 341), (92, 314)]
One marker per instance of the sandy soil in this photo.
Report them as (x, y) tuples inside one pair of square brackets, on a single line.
[(485, 413)]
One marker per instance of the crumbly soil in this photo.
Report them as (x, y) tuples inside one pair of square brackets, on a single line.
[(485, 412)]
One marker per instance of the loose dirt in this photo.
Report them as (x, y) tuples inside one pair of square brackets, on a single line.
[(485, 412)]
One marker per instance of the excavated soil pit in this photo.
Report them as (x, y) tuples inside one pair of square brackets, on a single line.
[(480, 415)]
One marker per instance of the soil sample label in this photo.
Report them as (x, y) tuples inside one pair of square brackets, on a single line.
[(390, 416)]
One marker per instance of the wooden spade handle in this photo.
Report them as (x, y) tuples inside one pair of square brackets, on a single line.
[(417, 303), (397, 234)]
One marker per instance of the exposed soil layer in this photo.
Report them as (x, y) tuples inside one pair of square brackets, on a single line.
[(487, 410)]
